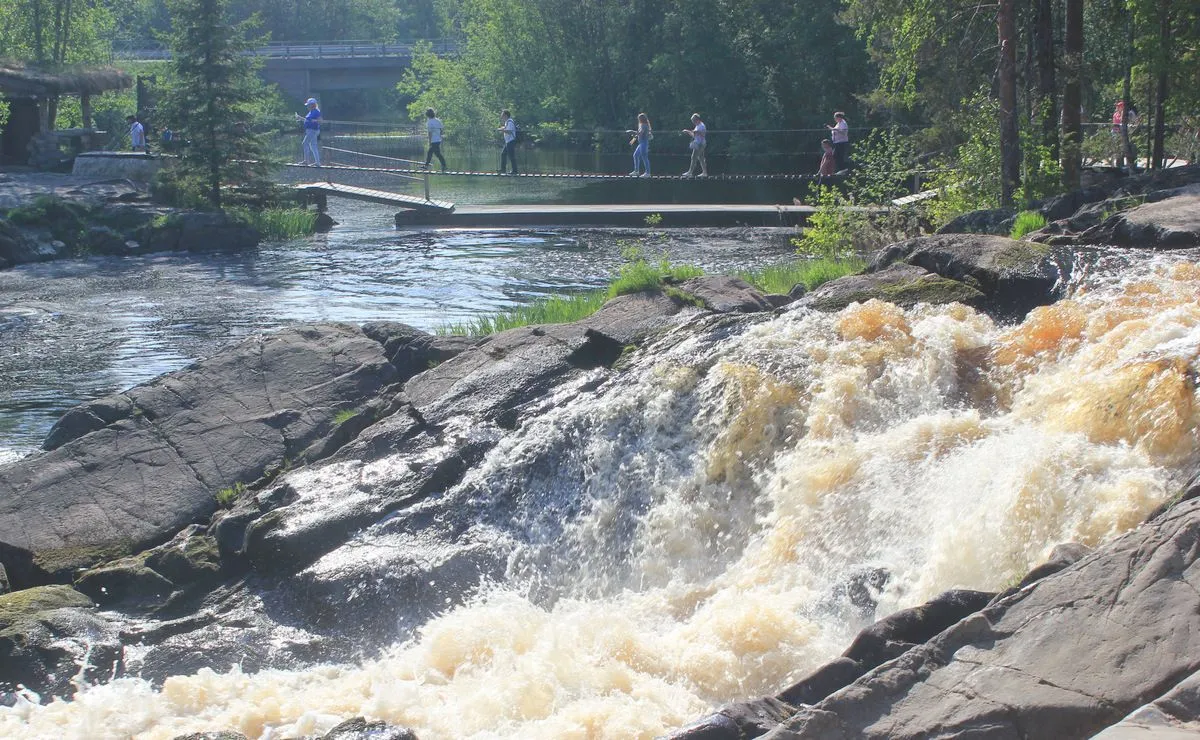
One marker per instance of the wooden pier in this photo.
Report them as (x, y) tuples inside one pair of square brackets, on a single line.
[(319, 191), (664, 215)]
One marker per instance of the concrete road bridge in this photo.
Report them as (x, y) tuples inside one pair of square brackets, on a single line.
[(303, 68)]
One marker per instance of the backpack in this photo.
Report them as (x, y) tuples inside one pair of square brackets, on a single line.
[(518, 136)]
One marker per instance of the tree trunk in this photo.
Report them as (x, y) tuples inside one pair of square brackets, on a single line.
[(1072, 134), (1010, 146), (1047, 83), (1158, 155), (1127, 143)]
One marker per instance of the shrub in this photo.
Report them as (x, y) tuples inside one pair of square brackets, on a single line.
[(227, 496), (1026, 222)]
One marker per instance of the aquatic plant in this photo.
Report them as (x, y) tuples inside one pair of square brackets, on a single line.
[(278, 223)]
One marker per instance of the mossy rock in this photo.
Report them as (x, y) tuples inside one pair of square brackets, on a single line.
[(903, 285), (19, 606)]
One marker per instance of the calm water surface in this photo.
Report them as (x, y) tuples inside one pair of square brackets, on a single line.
[(74, 330)]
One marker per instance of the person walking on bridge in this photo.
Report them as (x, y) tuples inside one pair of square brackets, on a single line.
[(311, 148), (641, 154), (433, 125), (839, 134), (509, 128), (699, 134)]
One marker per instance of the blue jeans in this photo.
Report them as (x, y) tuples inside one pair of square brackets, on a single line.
[(509, 152), (641, 157), (310, 147)]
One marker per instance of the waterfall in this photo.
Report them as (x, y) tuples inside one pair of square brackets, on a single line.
[(722, 515)]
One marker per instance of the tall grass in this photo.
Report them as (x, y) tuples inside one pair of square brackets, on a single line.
[(809, 273), (1026, 222), (555, 310), (278, 223)]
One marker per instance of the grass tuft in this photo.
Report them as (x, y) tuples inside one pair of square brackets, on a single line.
[(278, 223), (1026, 222), (555, 310), (809, 273)]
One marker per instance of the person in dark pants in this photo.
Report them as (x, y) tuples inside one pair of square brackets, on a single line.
[(509, 128), (839, 133), (434, 126)]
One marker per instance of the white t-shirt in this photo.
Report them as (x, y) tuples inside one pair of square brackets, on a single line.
[(840, 133), (510, 130), (137, 134), (435, 130), (701, 130)]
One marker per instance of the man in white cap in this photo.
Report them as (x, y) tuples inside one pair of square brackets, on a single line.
[(311, 148)]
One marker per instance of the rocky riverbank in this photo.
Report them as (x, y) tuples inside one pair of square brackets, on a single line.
[(324, 480), (46, 216)]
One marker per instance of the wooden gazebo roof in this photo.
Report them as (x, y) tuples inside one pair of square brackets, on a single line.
[(21, 82)]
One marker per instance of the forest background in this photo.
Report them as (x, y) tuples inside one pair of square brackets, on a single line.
[(985, 90)]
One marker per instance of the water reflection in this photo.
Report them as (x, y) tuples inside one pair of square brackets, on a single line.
[(74, 330)]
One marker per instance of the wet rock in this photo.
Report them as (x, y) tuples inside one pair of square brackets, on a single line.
[(1173, 223), (103, 240), (1063, 658), (737, 721), (997, 221), (199, 232), (16, 248), (361, 729), (903, 285), (725, 294), (1062, 556), (173, 444), (219, 735), (1013, 276), (495, 378), (149, 581), (1173, 716), (413, 351), (888, 638), (45, 635)]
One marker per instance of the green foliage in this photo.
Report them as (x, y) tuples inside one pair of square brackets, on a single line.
[(213, 99), (638, 275), (54, 34), (809, 273), (555, 310), (837, 230), (447, 86), (1027, 222), (278, 223), (654, 219), (226, 497), (65, 220), (344, 416)]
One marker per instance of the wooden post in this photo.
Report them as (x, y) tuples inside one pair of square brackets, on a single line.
[(426, 183)]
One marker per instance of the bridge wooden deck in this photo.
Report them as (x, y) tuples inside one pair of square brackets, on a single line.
[(384, 197), (663, 215)]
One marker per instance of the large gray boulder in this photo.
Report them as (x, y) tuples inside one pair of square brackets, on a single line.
[(129, 471), (726, 294), (1013, 276), (902, 284), (1173, 223), (1063, 658)]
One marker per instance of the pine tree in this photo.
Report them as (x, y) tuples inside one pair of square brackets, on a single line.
[(210, 99)]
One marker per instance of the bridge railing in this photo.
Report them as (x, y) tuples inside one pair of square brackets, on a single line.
[(347, 49)]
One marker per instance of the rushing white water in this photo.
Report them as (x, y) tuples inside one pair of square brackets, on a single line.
[(685, 536)]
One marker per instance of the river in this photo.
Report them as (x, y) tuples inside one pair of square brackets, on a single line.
[(74, 330)]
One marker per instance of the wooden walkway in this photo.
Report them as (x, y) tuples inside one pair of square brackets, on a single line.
[(410, 202), (664, 215)]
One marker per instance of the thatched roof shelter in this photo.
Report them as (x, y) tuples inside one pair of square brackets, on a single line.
[(22, 82)]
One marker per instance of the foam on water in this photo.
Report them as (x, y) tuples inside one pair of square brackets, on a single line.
[(691, 532)]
